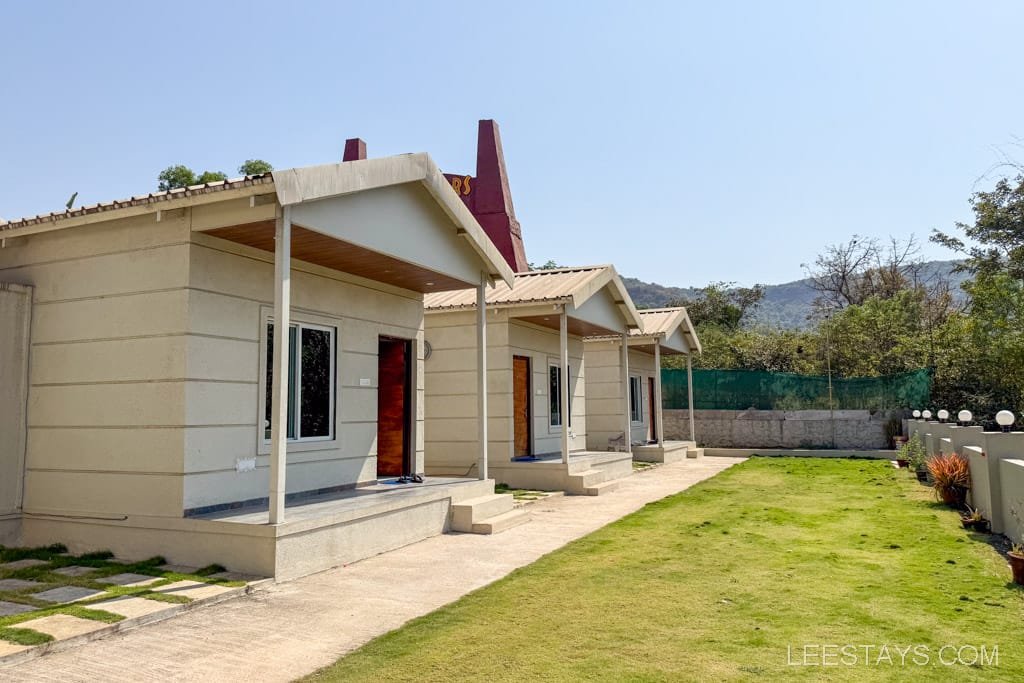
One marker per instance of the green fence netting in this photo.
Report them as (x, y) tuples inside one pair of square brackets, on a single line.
[(742, 389)]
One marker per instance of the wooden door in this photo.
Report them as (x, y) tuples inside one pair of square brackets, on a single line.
[(394, 404), (652, 421), (521, 405)]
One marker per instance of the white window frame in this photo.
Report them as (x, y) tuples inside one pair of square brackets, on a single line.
[(553, 428), (640, 399), (299, 324)]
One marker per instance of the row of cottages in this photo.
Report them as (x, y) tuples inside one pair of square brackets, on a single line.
[(284, 373), (555, 338), (233, 372)]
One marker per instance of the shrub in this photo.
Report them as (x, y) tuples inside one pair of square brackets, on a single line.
[(949, 472), (913, 452)]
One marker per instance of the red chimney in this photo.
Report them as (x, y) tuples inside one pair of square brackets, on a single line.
[(355, 149), (489, 198)]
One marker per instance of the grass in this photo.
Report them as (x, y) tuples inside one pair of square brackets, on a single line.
[(24, 636), (85, 609), (730, 580), (521, 494)]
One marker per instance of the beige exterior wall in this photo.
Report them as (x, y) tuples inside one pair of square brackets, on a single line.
[(605, 400), (230, 304), (15, 321), (451, 389), (541, 346), (147, 342), (107, 379)]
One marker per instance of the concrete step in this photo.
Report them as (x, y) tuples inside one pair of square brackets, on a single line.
[(502, 522), (467, 513), (602, 488), (694, 452), (589, 477)]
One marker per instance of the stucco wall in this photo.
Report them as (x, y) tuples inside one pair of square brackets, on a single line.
[(605, 400), (1011, 476), (230, 301), (541, 345), (856, 429), (451, 389), (146, 365), (450, 397), (107, 378), (15, 318)]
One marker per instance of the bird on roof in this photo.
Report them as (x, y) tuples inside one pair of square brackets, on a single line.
[(71, 202)]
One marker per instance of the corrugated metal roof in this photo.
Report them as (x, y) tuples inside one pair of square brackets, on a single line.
[(659, 321), (151, 198), (536, 286)]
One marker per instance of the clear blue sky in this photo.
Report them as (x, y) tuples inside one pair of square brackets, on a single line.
[(683, 141)]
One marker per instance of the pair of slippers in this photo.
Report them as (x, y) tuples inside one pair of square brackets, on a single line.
[(410, 479)]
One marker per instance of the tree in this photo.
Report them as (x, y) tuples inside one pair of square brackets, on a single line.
[(174, 177), (255, 167), (997, 232), (993, 365), (721, 304), (547, 265), (851, 273), (211, 177)]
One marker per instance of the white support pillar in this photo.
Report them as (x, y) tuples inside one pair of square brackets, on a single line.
[(280, 379), (563, 349), (689, 394), (656, 409), (481, 365), (627, 440)]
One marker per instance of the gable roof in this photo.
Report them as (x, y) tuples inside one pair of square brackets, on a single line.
[(292, 186), (557, 285), (148, 202), (661, 323)]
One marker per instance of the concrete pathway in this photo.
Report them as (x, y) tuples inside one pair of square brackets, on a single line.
[(292, 629)]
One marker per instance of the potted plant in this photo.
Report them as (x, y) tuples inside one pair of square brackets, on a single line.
[(973, 520), (913, 452), (951, 478), (1016, 558)]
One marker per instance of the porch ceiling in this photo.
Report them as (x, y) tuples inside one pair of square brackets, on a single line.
[(329, 252), (576, 326)]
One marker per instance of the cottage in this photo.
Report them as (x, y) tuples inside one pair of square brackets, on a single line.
[(233, 372), (665, 331), (537, 366)]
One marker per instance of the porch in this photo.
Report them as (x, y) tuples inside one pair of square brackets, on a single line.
[(668, 451), (330, 530), (582, 472)]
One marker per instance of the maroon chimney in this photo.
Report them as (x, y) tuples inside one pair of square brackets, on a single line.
[(488, 196), (355, 149)]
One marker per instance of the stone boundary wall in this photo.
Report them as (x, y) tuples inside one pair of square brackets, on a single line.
[(854, 429)]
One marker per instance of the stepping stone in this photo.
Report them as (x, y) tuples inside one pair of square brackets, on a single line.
[(22, 564), (193, 590), (131, 608), (67, 594), (62, 626), (9, 609), (130, 579), (18, 584), (74, 570), (7, 648), (178, 568)]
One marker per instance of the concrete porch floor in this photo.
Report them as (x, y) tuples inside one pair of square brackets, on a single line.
[(587, 472), (354, 501), (297, 627)]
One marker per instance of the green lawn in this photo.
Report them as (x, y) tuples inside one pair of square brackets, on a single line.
[(735, 579)]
